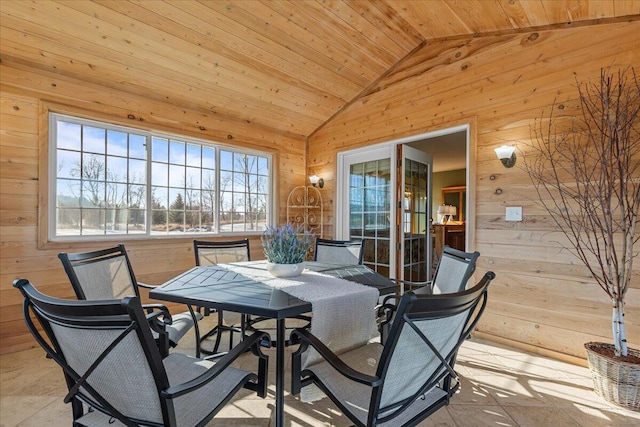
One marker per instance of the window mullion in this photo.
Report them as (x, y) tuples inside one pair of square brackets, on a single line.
[(148, 186), (217, 206)]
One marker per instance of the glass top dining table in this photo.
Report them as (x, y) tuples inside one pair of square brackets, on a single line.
[(219, 287)]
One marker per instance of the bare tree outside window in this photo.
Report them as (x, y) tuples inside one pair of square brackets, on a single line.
[(113, 180)]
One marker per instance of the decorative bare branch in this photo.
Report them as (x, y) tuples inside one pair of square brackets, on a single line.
[(586, 171)]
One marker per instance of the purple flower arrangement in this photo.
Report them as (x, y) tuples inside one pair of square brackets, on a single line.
[(287, 244)]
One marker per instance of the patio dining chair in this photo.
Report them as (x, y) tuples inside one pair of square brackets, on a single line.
[(220, 252), (338, 251), (454, 270), (115, 372), (408, 378), (108, 274)]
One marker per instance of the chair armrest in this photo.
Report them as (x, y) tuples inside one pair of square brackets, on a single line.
[(146, 286), (307, 338), (155, 310), (156, 322), (252, 342), (385, 311), (412, 285)]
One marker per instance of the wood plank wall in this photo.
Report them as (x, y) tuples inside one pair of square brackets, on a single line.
[(542, 296), (24, 95)]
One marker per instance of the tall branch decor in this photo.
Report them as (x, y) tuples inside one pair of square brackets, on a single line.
[(586, 171)]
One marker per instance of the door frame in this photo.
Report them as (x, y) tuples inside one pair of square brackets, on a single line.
[(342, 181)]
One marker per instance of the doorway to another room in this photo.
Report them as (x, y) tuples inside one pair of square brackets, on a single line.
[(400, 197), (449, 184)]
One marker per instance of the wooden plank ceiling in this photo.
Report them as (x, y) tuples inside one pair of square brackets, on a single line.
[(284, 65)]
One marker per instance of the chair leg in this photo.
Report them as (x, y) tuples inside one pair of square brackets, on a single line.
[(196, 329), (216, 346), (217, 331)]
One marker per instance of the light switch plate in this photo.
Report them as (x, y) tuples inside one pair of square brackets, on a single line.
[(514, 213)]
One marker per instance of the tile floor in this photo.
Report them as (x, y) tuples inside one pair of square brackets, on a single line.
[(501, 387)]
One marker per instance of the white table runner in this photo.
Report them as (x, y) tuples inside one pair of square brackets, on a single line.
[(343, 311)]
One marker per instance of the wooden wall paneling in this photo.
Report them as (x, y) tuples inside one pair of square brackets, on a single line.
[(138, 111), (316, 71), (148, 45), (547, 337), (154, 260), (474, 80), (265, 75), (498, 85), (220, 34), (355, 68)]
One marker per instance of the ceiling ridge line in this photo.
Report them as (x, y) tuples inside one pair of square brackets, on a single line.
[(367, 89), (546, 27)]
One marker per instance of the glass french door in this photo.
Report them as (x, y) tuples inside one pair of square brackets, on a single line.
[(415, 234), (387, 204), (369, 215)]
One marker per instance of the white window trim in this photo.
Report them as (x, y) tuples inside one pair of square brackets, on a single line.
[(52, 183)]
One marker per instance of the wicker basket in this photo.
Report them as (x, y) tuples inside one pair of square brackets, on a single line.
[(615, 381)]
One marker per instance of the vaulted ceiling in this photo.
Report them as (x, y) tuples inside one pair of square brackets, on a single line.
[(285, 65)]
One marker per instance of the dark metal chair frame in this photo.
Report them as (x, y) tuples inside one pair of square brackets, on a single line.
[(160, 315), (220, 327), (340, 244), (386, 310), (414, 306), (124, 315), (470, 258)]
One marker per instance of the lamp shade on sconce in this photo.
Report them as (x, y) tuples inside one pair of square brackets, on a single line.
[(315, 180), (507, 155)]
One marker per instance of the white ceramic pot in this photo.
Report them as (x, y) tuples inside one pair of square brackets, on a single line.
[(285, 270)]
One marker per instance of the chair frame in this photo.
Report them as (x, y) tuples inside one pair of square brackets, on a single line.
[(128, 315), (469, 257), (220, 327), (413, 306), (384, 312), (197, 244), (339, 244), (158, 323)]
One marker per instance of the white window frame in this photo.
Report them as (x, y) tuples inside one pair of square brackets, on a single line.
[(52, 236)]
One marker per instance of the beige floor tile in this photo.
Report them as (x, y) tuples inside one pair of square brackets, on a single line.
[(603, 417), (569, 392), (244, 412), (300, 414), (500, 387), (532, 365), (15, 410), (472, 392), (479, 364), (442, 418), (480, 416), (539, 416), (56, 414), (474, 346), (568, 370), (508, 389)]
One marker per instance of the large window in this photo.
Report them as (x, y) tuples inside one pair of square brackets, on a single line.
[(108, 180)]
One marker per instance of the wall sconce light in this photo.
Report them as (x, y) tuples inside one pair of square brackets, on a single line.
[(316, 180), (507, 155)]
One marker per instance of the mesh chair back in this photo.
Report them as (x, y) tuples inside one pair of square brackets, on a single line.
[(339, 251), (105, 349), (424, 339), (99, 275), (210, 253), (454, 270)]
